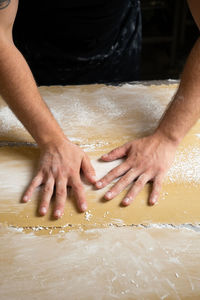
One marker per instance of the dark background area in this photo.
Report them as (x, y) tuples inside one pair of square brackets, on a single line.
[(169, 32)]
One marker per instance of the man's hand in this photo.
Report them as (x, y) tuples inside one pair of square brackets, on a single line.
[(59, 167), (148, 158)]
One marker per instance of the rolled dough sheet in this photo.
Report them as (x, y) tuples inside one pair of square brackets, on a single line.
[(90, 115), (179, 201), (113, 263)]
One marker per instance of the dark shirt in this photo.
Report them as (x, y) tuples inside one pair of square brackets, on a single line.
[(78, 42)]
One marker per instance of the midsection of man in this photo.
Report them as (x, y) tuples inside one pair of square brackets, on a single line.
[(79, 42)]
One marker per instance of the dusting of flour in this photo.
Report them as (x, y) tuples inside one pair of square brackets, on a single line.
[(186, 166), (77, 109), (72, 106)]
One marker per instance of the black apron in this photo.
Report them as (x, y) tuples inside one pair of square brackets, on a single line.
[(80, 41)]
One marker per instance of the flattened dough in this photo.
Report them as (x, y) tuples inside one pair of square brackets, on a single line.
[(100, 118), (179, 203)]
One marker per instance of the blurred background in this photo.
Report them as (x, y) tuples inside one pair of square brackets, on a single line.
[(169, 33)]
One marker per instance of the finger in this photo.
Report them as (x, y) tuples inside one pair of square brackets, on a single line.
[(47, 193), (157, 184), (78, 190), (116, 153), (114, 173), (122, 183), (61, 195), (136, 188), (88, 169), (37, 181)]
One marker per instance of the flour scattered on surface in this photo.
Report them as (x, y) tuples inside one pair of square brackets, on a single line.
[(84, 107), (118, 222), (186, 166), (88, 215), (78, 109), (18, 229), (176, 274), (106, 214), (8, 120)]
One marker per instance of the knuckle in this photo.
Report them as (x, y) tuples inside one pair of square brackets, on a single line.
[(114, 151), (86, 158), (142, 179), (90, 171), (132, 172), (155, 194), (104, 180), (72, 173), (122, 181), (129, 163), (29, 189), (35, 179), (141, 165), (139, 182), (60, 192), (78, 187), (158, 181), (161, 169), (157, 189), (111, 174), (60, 206), (47, 189), (44, 203)]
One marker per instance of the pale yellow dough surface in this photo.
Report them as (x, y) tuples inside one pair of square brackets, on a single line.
[(99, 118), (179, 203)]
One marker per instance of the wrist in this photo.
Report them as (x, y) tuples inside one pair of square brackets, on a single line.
[(168, 138), (53, 142)]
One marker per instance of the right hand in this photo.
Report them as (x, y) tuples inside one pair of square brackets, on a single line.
[(59, 167)]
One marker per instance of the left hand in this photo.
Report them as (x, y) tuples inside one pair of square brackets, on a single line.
[(147, 158)]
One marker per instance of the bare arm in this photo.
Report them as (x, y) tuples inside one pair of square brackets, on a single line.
[(149, 158), (18, 87), (184, 110), (19, 90)]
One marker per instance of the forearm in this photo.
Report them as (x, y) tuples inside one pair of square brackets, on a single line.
[(19, 90), (184, 110)]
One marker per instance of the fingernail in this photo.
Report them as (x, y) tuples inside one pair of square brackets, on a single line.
[(25, 198), (83, 206), (108, 195), (58, 213), (99, 184), (94, 178), (153, 201), (43, 210), (126, 201)]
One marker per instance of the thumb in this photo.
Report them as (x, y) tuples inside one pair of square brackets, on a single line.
[(88, 169), (116, 153)]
